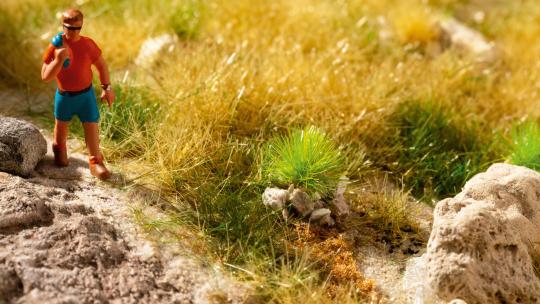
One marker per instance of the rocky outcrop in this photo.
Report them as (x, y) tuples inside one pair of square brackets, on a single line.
[(482, 246), (21, 146)]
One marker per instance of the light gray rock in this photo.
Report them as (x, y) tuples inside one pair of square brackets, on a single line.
[(482, 242), (466, 40), (385, 31), (327, 220), (275, 198), (339, 207), (153, 48), (21, 146), (318, 214), (285, 213), (301, 202), (318, 204), (342, 186)]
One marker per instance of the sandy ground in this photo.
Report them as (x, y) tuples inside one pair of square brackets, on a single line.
[(397, 269), (66, 237)]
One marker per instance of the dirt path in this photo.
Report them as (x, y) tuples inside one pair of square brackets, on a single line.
[(67, 238)]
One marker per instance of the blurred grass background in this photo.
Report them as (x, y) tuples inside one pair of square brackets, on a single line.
[(194, 125)]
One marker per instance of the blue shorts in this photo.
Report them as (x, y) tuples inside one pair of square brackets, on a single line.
[(84, 105)]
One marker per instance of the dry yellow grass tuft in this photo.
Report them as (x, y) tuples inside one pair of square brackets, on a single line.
[(414, 23)]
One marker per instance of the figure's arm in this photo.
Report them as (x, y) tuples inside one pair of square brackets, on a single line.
[(103, 70), (50, 70), (104, 77)]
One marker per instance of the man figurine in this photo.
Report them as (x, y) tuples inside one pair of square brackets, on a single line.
[(69, 59)]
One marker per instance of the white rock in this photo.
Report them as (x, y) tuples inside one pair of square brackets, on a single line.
[(339, 205), (285, 213), (466, 40), (153, 48), (301, 202), (275, 198), (318, 204), (22, 146), (318, 214), (291, 188), (482, 240), (385, 30), (327, 220)]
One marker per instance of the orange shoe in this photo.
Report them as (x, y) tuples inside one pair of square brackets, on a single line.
[(60, 155), (97, 168)]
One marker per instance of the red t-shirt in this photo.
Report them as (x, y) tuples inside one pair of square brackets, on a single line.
[(78, 75)]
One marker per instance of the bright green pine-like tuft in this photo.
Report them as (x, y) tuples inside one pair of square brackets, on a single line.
[(305, 158), (526, 145)]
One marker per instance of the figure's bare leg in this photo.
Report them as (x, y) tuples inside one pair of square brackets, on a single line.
[(60, 132), (91, 137), (59, 142)]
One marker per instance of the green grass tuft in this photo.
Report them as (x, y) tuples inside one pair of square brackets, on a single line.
[(439, 152), (307, 158), (244, 228), (130, 122), (186, 19), (526, 145)]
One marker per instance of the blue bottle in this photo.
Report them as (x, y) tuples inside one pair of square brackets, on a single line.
[(57, 42)]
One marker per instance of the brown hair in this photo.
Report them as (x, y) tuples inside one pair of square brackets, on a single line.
[(72, 15)]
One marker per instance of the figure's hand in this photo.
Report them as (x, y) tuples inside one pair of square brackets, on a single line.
[(109, 96), (62, 53)]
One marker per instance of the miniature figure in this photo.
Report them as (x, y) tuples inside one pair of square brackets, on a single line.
[(68, 59)]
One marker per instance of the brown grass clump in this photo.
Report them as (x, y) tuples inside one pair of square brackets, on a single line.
[(335, 256)]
